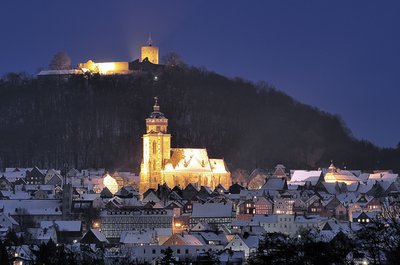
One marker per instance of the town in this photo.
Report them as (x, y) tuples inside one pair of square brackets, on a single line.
[(185, 207)]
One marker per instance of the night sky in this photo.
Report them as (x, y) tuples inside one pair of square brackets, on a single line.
[(340, 56)]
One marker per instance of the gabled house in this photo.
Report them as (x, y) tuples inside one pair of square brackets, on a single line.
[(299, 207), (315, 205), (67, 231), (264, 205), (283, 204), (53, 177), (190, 191), (40, 195), (235, 188), (106, 194), (257, 179), (150, 196), (8, 221), (35, 176), (237, 243), (200, 227), (95, 237), (245, 210), (341, 212), (204, 192), (363, 217), (5, 184), (220, 189), (373, 205)]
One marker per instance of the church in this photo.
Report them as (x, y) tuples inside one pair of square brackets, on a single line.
[(176, 166)]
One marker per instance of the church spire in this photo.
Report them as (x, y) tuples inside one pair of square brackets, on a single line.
[(149, 41), (156, 107)]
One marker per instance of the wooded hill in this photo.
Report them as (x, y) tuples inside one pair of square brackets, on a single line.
[(98, 121)]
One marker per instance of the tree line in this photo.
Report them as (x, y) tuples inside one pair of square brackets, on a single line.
[(97, 121)]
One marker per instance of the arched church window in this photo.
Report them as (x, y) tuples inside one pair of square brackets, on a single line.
[(154, 147)]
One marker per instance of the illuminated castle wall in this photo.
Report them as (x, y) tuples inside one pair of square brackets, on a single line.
[(111, 68), (105, 68), (176, 166), (150, 52)]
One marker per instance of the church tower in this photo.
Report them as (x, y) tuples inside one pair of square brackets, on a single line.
[(150, 52), (156, 149)]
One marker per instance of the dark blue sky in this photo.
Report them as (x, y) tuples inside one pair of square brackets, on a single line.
[(340, 56)]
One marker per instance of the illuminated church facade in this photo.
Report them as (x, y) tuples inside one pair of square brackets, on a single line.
[(176, 166)]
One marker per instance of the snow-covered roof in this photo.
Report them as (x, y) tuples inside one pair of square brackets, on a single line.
[(61, 72), (188, 239), (309, 219), (218, 166), (12, 176), (210, 236), (64, 226), (259, 219), (212, 210), (100, 236), (10, 219), (17, 195), (332, 227), (387, 176), (163, 231), (300, 177), (136, 237), (274, 184), (347, 198), (193, 160), (42, 233), (18, 169), (371, 215), (364, 188), (33, 207), (33, 187), (252, 241), (331, 187)]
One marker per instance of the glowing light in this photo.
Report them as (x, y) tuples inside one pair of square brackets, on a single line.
[(106, 67), (96, 225), (110, 183), (178, 224)]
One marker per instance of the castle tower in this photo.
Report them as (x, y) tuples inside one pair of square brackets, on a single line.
[(150, 52), (156, 149)]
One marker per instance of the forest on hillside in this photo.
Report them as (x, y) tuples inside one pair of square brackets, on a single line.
[(97, 121)]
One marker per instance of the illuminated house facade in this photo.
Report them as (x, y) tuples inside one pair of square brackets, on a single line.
[(176, 166)]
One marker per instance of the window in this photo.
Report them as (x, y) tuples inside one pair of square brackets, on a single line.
[(154, 147), (178, 251), (154, 251)]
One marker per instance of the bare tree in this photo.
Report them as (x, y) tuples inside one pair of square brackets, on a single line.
[(60, 61), (173, 59)]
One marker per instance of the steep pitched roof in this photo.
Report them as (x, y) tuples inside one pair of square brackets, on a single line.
[(93, 236), (212, 210), (275, 184)]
